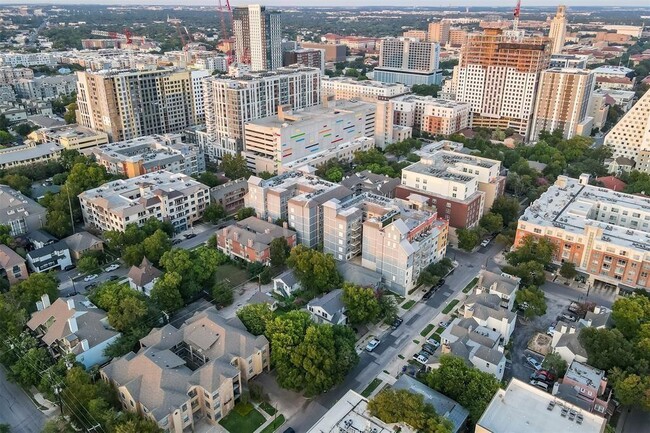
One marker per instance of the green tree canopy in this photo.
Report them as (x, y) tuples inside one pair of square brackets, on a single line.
[(166, 293), (315, 270), (534, 300), (468, 239), (361, 304), (568, 270), (234, 166), (492, 222), (507, 207), (279, 251), (213, 213), (255, 317), (403, 406)]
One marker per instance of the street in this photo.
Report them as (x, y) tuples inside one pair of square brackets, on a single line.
[(16, 408)]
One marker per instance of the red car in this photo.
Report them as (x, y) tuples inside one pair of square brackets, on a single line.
[(544, 375)]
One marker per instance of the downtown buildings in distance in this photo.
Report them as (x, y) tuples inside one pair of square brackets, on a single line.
[(258, 37), (127, 104), (408, 61), (605, 233), (174, 197), (557, 33)]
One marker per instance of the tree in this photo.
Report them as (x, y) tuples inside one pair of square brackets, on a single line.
[(629, 313), (26, 370), (532, 248), (255, 317), (130, 312), (425, 89), (265, 175), (508, 208), (208, 179), (568, 270), (534, 300), (334, 174), (554, 363), (133, 255), (88, 264), (5, 137), (166, 294), (244, 213), (156, 245), (403, 406), (315, 270), (467, 238), (469, 386), (26, 293), (387, 307), (234, 166), (222, 294), (18, 182), (492, 222), (607, 348), (23, 129), (137, 425), (361, 304), (213, 213), (278, 252), (70, 115)]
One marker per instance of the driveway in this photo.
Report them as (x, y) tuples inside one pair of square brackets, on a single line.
[(16, 408)]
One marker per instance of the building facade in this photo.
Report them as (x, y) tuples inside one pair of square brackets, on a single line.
[(27, 154), (70, 137), (309, 57), (19, 212), (439, 32), (333, 52), (630, 137), (162, 195), (408, 61), (369, 91), (557, 33), (258, 37), (563, 102)]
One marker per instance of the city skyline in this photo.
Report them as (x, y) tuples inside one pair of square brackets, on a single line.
[(345, 3)]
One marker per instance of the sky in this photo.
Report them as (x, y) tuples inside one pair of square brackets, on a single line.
[(443, 3)]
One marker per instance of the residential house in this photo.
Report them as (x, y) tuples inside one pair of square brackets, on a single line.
[(487, 311), (74, 326), (619, 165), (51, 256), (328, 308), (445, 407), (566, 343), (366, 181), (82, 242), (587, 388), (502, 285), (286, 284), (250, 239), (20, 213), (12, 265), (180, 377), (230, 195), (263, 298), (40, 238), (142, 278)]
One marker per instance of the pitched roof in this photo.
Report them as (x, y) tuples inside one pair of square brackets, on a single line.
[(82, 241), (9, 258), (47, 250), (571, 342), (287, 278), (358, 275), (612, 182), (499, 283), (143, 274), (331, 302), (261, 298)]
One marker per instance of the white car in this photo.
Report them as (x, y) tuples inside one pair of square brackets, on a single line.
[(422, 357), (112, 267), (550, 331), (534, 363), (372, 344), (434, 343), (485, 243), (90, 277)]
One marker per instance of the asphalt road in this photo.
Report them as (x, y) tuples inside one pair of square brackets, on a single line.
[(16, 408)]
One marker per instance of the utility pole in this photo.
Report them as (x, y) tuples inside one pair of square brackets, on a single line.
[(67, 190), (57, 391)]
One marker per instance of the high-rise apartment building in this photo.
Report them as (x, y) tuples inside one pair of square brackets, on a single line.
[(131, 103), (498, 74), (408, 61), (420, 35), (439, 32), (395, 238), (258, 37), (630, 137), (231, 102), (563, 102), (309, 57), (9, 74), (333, 52), (457, 37), (557, 33), (197, 77)]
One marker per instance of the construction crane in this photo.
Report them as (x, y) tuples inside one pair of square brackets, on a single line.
[(515, 15), (183, 34), (224, 8)]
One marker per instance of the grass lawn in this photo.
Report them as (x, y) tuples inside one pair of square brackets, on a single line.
[(435, 337), (266, 407), (470, 285), (231, 274), (426, 330), (243, 419), (451, 306), (439, 330), (371, 387), (408, 304), (275, 424)]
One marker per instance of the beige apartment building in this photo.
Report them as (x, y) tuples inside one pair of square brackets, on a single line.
[(258, 37), (232, 102), (563, 102), (439, 32), (394, 238), (458, 37), (498, 75), (127, 104), (605, 233), (70, 137), (420, 35), (630, 137), (173, 197), (182, 378), (557, 34), (297, 198), (368, 91)]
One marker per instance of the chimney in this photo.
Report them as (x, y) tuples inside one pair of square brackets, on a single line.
[(45, 299), (584, 179), (267, 231), (72, 324), (84, 345), (285, 225), (250, 243), (39, 305), (70, 304)]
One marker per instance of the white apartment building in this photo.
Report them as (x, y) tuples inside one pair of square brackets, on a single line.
[(162, 195), (396, 239), (350, 88), (273, 142), (149, 154), (557, 34), (212, 63), (297, 198), (421, 113), (28, 154), (197, 77), (408, 61), (258, 37), (27, 59), (232, 102), (45, 88), (563, 102), (630, 137)]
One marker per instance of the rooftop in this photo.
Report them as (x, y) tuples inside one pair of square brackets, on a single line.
[(151, 150), (314, 114), (11, 155), (257, 233), (14, 205), (429, 100), (365, 83), (585, 374), (439, 172), (82, 241), (68, 132), (525, 408), (247, 78), (611, 69), (9, 258)]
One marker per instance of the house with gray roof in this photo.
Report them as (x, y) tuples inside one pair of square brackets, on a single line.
[(20, 213), (358, 275), (75, 326), (367, 181), (142, 278), (39, 238), (52, 256), (286, 284), (82, 242), (503, 285), (264, 298), (183, 377), (444, 406), (328, 308)]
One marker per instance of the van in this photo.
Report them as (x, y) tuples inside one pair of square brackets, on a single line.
[(540, 384)]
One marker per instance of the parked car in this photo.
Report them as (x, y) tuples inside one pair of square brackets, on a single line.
[(112, 267), (544, 375), (568, 316), (372, 344), (429, 348), (90, 277), (289, 430), (574, 307), (443, 323), (69, 267), (534, 363), (428, 294), (485, 242), (398, 321), (190, 235), (540, 384), (91, 286), (113, 278), (176, 241), (433, 342), (422, 357), (440, 282), (550, 331)]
